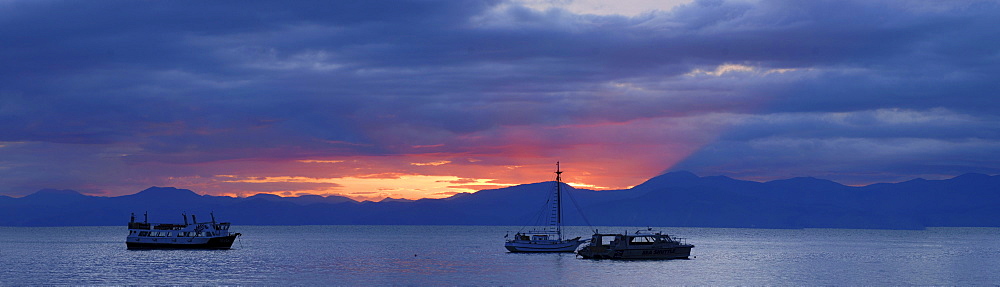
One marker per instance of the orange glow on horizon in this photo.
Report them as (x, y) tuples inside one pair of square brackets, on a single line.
[(376, 178), (599, 156), (371, 187)]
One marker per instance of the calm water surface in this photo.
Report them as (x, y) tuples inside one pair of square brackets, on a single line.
[(474, 255)]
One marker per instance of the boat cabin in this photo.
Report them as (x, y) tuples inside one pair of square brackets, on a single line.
[(536, 235), (196, 229), (638, 245), (540, 237), (622, 241)]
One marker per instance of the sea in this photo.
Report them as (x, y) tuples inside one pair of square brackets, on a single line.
[(474, 256)]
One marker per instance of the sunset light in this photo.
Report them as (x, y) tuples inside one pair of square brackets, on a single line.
[(431, 99), (500, 143)]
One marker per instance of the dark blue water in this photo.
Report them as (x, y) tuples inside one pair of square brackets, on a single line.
[(474, 255)]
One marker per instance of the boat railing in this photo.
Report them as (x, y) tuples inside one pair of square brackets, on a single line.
[(541, 231), (680, 240), (156, 226), (138, 225), (168, 226)]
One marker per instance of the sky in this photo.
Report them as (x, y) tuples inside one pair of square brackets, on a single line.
[(426, 99)]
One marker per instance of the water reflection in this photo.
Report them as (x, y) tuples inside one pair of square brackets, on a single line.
[(474, 255)]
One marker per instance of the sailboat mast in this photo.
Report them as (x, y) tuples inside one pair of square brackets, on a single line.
[(558, 202)]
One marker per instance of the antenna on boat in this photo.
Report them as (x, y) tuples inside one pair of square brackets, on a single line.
[(194, 220), (145, 216), (185, 218), (213, 216), (133, 217)]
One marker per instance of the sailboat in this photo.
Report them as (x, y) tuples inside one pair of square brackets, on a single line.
[(548, 239)]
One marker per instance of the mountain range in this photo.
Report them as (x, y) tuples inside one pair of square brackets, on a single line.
[(677, 199)]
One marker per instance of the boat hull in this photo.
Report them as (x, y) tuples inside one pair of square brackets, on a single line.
[(602, 252), (223, 242), (527, 246)]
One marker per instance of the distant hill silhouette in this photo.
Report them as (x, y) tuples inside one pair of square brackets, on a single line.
[(672, 199)]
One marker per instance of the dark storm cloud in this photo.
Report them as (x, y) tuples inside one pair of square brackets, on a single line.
[(862, 147), (197, 81)]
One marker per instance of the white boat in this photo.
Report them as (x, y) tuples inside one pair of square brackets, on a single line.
[(194, 235), (548, 239), (640, 245)]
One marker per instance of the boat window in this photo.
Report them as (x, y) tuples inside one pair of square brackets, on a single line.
[(144, 233), (642, 240), (606, 240)]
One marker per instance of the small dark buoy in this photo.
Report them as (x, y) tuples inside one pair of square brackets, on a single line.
[(414, 255)]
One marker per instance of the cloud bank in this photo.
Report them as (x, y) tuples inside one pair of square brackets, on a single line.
[(111, 97)]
